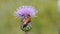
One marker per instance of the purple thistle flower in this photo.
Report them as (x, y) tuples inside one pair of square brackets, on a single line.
[(25, 10)]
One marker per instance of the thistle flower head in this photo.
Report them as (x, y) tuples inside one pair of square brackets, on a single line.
[(25, 10)]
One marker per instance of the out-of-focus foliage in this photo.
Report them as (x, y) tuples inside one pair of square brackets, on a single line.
[(45, 22)]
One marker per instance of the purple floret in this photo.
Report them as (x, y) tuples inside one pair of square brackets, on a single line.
[(25, 10)]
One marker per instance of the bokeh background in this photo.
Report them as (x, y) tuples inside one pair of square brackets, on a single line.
[(46, 21)]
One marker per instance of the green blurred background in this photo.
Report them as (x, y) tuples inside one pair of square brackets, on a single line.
[(45, 22)]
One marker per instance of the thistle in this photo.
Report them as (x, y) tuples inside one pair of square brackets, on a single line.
[(25, 13)]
